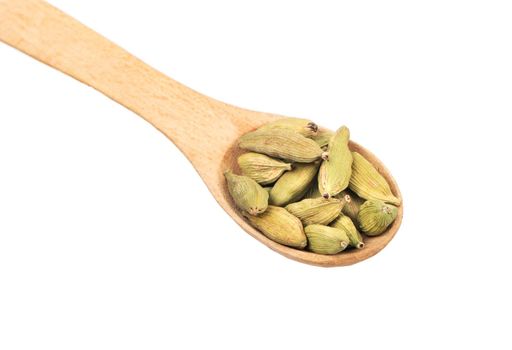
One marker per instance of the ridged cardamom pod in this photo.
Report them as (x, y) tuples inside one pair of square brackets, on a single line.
[(326, 240), (304, 127), (281, 143), (352, 203), (368, 183), (261, 168), (294, 184), (322, 137), (335, 171), (280, 226), (345, 223), (375, 216), (247, 194), (316, 210), (268, 189)]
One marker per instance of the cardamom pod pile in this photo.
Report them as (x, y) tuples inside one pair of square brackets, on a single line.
[(318, 194)]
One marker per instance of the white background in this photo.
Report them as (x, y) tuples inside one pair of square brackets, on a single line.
[(109, 239)]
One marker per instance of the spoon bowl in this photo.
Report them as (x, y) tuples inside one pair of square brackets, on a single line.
[(205, 130), (373, 245)]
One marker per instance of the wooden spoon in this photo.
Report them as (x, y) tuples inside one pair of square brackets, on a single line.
[(204, 129)]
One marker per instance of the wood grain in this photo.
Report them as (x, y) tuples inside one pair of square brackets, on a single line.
[(204, 129)]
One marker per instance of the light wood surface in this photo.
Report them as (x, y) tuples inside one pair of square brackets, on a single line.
[(204, 129)]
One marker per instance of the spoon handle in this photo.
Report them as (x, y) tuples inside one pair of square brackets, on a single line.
[(52, 37)]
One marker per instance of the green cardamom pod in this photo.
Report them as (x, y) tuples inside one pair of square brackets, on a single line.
[(268, 189), (261, 168), (281, 143), (352, 203), (304, 127), (345, 223), (335, 171), (368, 183), (280, 226), (316, 210), (322, 137), (294, 184), (375, 216), (326, 240), (247, 194)]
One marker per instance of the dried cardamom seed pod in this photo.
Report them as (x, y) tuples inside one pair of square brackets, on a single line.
[(316, 210), (294, 184), (268, 189), (368, 183), (261, 168), (335, 171), (352, 203), (375, 216), (280, 226), (345, 223), (247, 194), (326, 240), (281, 143), (304, 127), (322, 137)]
